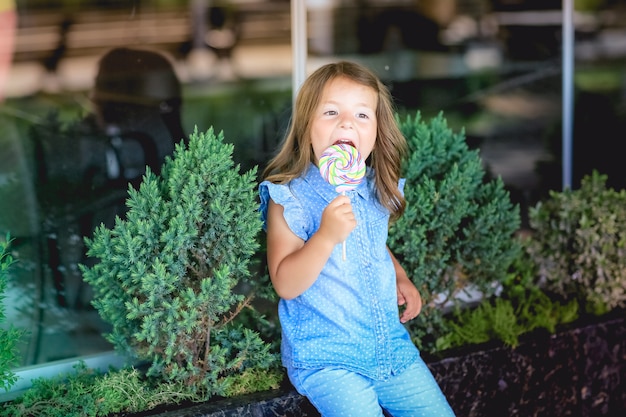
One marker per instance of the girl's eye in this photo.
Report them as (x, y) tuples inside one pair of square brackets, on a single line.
[(330, 112), (362, 116)]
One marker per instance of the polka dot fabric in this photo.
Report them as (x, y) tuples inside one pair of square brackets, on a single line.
[(341, 393), (348, 319)]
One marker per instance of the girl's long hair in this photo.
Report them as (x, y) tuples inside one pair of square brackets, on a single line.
[(296, 152)]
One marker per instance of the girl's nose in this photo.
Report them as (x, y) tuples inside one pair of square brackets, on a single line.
[(346, 123)]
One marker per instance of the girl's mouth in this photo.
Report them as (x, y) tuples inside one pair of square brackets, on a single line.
[(344, 142)]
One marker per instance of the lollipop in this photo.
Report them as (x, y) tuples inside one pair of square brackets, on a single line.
[(342, 166)]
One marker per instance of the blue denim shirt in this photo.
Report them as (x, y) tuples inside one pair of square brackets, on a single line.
[(349, 317)]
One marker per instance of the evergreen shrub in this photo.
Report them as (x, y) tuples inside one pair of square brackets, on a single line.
[(8, 337), (578, 242), (168, 276), (456, 235)]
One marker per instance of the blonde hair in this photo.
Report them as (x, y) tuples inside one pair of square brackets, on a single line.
[(296, 152)]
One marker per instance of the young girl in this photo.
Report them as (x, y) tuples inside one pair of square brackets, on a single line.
[(343, 342)]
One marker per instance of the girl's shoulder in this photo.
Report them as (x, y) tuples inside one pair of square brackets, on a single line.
[(280, 193), (284, 194), (294, 211), (268, 189)]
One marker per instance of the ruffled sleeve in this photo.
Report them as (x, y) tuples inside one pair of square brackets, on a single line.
[(401, 185), (293, 212)]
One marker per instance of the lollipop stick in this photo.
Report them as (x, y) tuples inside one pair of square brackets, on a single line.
[(343, 253)]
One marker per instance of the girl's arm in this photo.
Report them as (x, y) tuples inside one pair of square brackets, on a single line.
[(408, 295), (293, 264)]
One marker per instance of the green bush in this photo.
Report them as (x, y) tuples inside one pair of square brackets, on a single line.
[(9, 337), (579, 244), (573, 257), (168, 275), (457, 231)]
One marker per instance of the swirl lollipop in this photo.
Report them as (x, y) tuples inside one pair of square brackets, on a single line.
[(342, 166)]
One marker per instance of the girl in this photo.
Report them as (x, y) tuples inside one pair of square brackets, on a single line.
[(343, 342)]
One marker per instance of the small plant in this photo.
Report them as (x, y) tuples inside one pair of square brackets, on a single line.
[(168, 275), (579, 244), (127, 391), (60, 396), (490, 320), (88, 392), (506, 319), (457, 231), (9, 337), (518, 307)]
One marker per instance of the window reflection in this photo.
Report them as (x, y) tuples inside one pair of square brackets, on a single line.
[(95, 94), (82, 169)]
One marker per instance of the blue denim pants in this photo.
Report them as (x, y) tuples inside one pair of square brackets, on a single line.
[(341, 393)]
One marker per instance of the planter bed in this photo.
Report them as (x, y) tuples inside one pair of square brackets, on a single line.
[(580, 371)]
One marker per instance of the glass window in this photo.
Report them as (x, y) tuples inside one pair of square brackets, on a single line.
[(92, 93), (494, 68)]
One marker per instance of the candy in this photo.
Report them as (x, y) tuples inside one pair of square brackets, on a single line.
[(342, 166)]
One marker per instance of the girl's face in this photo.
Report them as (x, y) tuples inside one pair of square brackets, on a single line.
[(346, 113)]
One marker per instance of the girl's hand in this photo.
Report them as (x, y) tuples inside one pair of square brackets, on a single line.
[(408, 296), (337, 220)]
